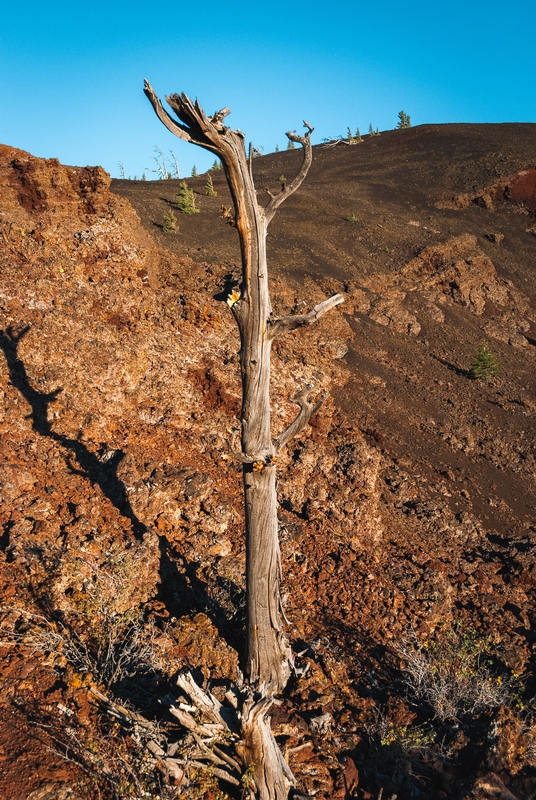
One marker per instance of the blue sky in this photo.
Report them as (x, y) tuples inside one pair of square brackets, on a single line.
[(72, 73)]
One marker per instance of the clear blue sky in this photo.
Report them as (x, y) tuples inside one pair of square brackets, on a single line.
[(72, 73)]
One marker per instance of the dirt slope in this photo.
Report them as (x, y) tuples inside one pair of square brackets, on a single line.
[(409, 504)]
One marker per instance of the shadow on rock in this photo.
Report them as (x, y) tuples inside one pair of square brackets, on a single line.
[(184, 593), (463, 373), (100, 472)]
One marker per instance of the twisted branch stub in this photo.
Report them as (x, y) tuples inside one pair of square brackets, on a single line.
[(258, 462), (293, 321), (289, 189), (293, 136), (307, 410)]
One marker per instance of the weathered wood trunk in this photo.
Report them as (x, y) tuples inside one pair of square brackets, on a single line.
[(269, 657)]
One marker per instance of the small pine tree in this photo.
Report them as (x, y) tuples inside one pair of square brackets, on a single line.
[(277, 148), (144, 177), (349, 135), (358, 136), (185, 199), (170, 222), (485, 365), (371, 130), (404, 120), (209, 187), (290, 145), (194, 171)]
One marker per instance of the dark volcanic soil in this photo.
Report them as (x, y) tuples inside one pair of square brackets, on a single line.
[(408, 506), (423, 175), (411, 191)]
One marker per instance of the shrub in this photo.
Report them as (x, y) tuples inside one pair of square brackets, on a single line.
[(99, 631), (290, 145), (119, 647), (100, 637), (485, 365), (352, 217), (452, 673), (185, 199), (373, 132), (403, 120), (170, 222), (401, 754)]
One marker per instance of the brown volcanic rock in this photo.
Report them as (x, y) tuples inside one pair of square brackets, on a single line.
[(407, 503), (65, 221), (46, 189), (461, 271), (119, 375), (522, 188)]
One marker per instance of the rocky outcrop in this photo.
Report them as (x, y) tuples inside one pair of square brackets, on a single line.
[(458, 271), (519, 188), (454, 272)]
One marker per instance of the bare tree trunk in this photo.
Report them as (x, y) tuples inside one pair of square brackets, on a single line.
[(269, 658)]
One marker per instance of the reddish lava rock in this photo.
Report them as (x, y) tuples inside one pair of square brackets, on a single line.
[(407, 505)]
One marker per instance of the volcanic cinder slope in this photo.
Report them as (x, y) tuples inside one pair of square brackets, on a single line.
[(407, 505)]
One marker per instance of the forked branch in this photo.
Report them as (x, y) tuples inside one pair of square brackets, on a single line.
[(307, 410), (293, 321), (172, 125), (194, 126), (288, 189)]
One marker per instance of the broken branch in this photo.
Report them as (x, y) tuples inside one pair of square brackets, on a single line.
[(286, 191), (301, 139), (218, 117), (163, 116), (196, 127), (307, 410), (294, 321)]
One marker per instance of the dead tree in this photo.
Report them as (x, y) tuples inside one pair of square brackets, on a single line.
[(269, 659)]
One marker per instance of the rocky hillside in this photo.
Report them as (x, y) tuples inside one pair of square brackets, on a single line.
[(407, 507)]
